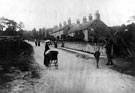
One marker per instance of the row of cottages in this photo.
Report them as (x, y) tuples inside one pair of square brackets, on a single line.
[(60, 30), (92, 28)]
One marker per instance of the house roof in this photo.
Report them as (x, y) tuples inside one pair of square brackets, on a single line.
[(93, 23), (75, 27), (65, 29), (78, 27), (60, 29)]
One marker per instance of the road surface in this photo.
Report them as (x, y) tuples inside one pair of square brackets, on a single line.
[(80, 75)]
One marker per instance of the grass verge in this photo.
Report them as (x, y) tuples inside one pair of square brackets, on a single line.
[(125, 66), (17, 64)]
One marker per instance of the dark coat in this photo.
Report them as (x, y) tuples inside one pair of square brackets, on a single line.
[(46, 47), (55, 44), (46, 62), (109, 50), (97, 55)]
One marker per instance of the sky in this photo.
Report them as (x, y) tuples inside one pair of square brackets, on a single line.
[(48, 13)]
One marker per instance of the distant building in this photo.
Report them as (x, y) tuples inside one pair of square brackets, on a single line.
[(57, 33), (48, 31), (93, 28)]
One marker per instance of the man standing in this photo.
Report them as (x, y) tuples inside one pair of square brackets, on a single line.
[(109, 52)]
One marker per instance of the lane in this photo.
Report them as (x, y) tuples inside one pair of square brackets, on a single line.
[(79, 75)]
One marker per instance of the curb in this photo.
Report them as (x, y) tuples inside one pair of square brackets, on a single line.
[(79, 52), (69, 50), (85, 55)]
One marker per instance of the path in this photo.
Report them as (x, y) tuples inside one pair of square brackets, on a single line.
[(79, 75)]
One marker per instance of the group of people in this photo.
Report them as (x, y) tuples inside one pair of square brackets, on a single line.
[(109, 53), (108, 46), (37, 42)]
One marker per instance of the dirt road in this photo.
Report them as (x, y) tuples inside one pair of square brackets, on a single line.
[(79, 75)]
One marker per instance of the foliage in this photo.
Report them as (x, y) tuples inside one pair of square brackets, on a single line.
[(10, 27), (131, 19), (42, 33), (17, 61), (123, 39)]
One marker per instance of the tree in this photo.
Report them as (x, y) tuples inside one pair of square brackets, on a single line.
[(8, 23), (20, 26), (34, 33), (10, 26), (131, 19), (40, 33)]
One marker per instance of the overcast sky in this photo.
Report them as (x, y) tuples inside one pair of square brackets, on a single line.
[(47, 13)]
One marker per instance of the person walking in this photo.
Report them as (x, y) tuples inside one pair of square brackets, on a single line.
[(97, 56), (39, 42), (35, 42), (46, 49), (46, 46), (55, 44)]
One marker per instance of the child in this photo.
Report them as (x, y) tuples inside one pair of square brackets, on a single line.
[(97, 55)]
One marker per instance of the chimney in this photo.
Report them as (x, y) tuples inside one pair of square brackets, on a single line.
[(90, 17), (64, 23), (60, 25), (97, 15), (78, 21), (84, 19), (69, 21)]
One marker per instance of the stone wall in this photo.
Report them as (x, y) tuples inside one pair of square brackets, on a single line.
[(83, 46)]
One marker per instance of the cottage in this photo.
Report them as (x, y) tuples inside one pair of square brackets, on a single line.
[(61, 30), (91, 29), (57, 33)]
